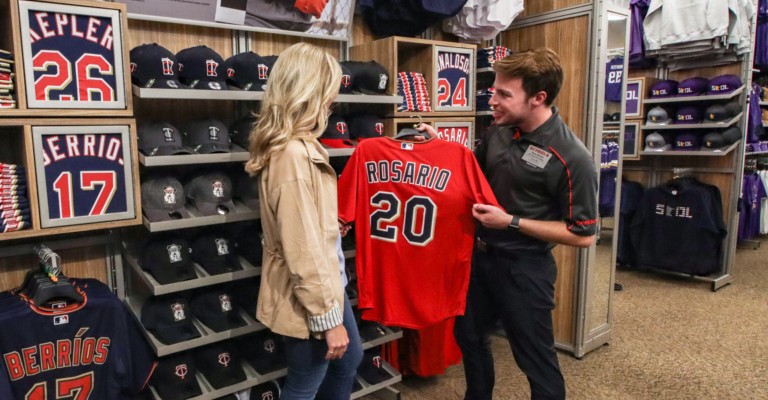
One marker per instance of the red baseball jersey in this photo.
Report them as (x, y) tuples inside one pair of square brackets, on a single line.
[(412, 204)]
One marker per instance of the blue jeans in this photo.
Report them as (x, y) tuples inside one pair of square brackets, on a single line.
[(311, 376)]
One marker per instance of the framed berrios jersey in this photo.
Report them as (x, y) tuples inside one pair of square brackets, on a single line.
[(73, 56), (454, 79), (84, 174)]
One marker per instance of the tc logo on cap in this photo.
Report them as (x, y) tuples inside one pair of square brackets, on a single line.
[(210, 67), (222, 247), (178, 312), (377, 361), (213, 133), (167, 66), (133, 67), (224, 359), (379, 127), (226, 304), (341, 127), (168, 135), (217, 188), (263, 71), (269, 345), (346, 80), (267, 396), (181, 371), (230, 72), (169, 195), (174, 253)]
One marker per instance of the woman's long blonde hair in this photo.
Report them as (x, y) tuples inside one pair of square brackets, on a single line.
[(303, 82)]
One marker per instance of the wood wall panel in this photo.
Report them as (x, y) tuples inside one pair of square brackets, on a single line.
[(176, 37), (272, 44), (84, 262), (571, 103), (534, 7)]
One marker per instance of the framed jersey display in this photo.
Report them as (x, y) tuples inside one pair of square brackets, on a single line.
[(73, 56), (631, 146), (634, 94), (459, 132), (84, 174), (454, 84)]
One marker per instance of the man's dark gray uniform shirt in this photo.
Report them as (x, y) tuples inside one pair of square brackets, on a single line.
[(546, 175)]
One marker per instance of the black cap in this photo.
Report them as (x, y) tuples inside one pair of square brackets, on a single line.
[(216, 309), (220, 364), (716, 113), (174, 377), (371, 369), (369, 330), (163, 198), (265, 351), (266, 391), (246, 293), (713, 141), (153, 66), (732, 135), (211, 193), (733, 108), (168, 259), (347, 79), (336, 133), (369, 77), (240, 131), (161, 139), (169, 319), (202, 68), (207, 136), (365, 126), (606, 117), (247, 71), (247, 190), (616, 116), (216, 252)]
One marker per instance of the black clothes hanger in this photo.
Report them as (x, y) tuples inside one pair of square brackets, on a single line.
[(45, 283)]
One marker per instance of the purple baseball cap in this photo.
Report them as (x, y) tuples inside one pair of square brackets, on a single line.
[(687, 141), (724, 84), (692, 86), (667, 88), (689, 115)]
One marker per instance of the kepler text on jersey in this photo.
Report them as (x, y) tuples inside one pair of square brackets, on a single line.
[(57, 24), (62, 354), (410, 173), (60, 147)]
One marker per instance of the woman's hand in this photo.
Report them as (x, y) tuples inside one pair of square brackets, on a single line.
[(337, 341)]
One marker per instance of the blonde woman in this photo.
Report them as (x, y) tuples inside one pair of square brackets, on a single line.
[(302, 293)]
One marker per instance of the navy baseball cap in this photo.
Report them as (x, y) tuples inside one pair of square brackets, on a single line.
[(733, 108), (371, 369), (692, 86), (365, 126), (689, 115), (207, 136), (220, 364), (161, 139), (666, 88), (724, 84), (606, 117), (216, 252), (247, 71), (6, 205), (211, 193), (336, 134), (717, 113), (347, 79), (168, 259), (240, 131), (369, 77), (248, 243), (169, 319), (656, 142), (616, 116), (266, 391), (686, 141), (265, 351), (163, 198), (217, 310), (202, 68), (14, 226), (658, 116), (153, 66), (174, 377), (369, 330), (247, 190), (732, 135), (714, 141)]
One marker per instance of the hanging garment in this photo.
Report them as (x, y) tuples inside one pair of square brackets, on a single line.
[(631, 194)]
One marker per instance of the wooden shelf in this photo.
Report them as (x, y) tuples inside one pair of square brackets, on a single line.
[(340, 152), (238, 154), (686, 99), (241, 95), (698, 153), (485, 70), (707, 125), (242, 213)]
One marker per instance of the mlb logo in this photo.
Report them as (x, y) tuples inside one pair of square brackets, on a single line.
[(210, 67), (222, 247), (224, 359), (178, 312), (169, 195), (61, 320), (217, 189), (174, 253), (406, 146), (167, 66), (226, 304)]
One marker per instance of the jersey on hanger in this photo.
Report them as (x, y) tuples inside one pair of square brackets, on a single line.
[(412, 204), (92, 350), (614, 76)]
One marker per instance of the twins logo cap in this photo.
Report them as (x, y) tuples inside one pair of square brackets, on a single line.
[(667, 88), (216, 252), (733, 108), (247, 190), (220, 364), (265, 351), (687, 141), (371, 369), (7, 205), (217, 310), (336, 134), (369, 77), (168, 259), (161, 139), (717, 113), (689, 115), (692, 86), (169, 319), (247, 71), (202, 68), (246, 291), (153, 66), (658, 116), (14, 226), (365, 126), (713, 141), (174, 377), (724, 84), (240, 131), (266, 391), (207, 136), (211, 193), (163, 199), (732, 135), (656, 142), (347, 79)]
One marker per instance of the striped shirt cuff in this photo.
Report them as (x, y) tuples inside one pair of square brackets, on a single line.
[(331, 319)]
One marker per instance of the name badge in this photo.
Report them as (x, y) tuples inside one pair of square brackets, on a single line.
[(536, 157)]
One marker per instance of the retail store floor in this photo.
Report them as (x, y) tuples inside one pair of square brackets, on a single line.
[(673, 338)]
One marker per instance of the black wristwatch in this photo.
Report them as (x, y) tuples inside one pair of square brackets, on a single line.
[(515, 224)]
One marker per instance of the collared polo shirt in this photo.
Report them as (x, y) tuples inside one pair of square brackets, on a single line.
[(547, 174)]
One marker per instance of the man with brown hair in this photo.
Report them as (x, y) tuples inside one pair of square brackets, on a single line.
[(546, 181)]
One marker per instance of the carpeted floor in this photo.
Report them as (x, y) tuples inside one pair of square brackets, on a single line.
[(673, 338)]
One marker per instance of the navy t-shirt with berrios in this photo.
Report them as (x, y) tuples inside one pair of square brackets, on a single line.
[(545, 175)]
